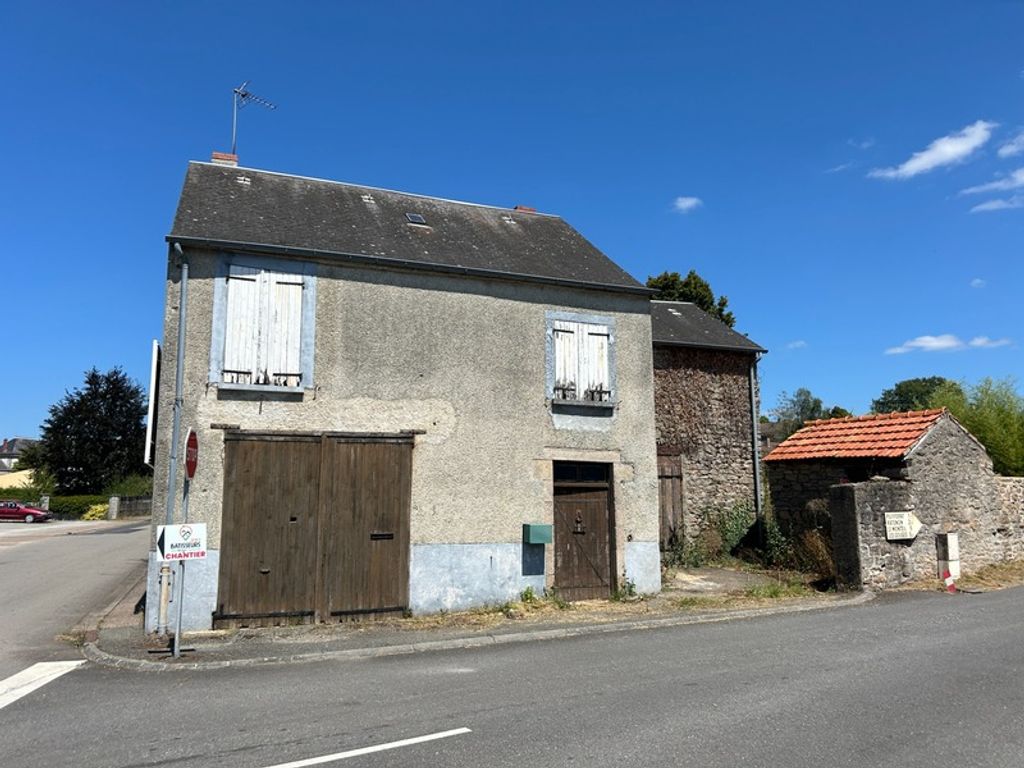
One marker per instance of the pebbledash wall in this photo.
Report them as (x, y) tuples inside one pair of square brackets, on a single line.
[(461, 359), (948, 483), (702, 413)]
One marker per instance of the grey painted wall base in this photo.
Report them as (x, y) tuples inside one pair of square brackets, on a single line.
[(453, 577), (200, 593), (643, 566)]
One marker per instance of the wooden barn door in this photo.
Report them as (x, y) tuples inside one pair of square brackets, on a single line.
[(584, 530), (315, 528), (365, 513), (269, 531), (670, 499)]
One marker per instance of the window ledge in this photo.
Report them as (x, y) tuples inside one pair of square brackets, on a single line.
[(271, 388), (596, 406)]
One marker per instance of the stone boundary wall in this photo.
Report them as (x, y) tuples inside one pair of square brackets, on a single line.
[(864, 557)]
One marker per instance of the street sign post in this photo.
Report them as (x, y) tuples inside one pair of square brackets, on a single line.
[(194, 537)]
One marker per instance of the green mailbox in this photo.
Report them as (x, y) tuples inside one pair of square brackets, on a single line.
[(535, 533)]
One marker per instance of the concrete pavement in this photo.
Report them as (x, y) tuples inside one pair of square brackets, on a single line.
[(699, 597)]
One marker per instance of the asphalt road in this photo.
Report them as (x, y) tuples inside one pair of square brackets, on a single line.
[(908, 680), (52, 575)]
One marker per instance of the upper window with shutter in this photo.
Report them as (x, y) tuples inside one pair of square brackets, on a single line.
[(263, 326), (580, 358)]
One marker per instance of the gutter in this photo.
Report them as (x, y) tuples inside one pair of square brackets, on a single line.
[(378, 261), (755, 441)]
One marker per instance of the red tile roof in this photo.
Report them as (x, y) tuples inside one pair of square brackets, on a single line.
[(882, 436)]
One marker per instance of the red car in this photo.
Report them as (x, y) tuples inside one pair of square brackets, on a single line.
[(17, 510)]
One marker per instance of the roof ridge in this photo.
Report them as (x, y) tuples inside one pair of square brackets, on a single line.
[(375, 189), (878, 416)]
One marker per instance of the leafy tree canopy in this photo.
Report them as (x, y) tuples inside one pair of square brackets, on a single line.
[(910, 394), (992, 411), (794, 410), (671, 287), (94, 436)]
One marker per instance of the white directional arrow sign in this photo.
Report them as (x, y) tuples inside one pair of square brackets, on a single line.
[(185, 541), (901, 526)]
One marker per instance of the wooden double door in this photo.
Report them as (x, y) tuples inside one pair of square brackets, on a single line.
[(584, 541), (314, 528)]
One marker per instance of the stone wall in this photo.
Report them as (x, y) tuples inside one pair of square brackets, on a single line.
[(799, 490), (702, 414), (950, 487)]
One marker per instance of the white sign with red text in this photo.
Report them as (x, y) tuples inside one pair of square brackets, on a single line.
[(184, 541)]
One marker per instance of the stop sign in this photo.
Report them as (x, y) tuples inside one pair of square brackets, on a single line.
[(191, 454)]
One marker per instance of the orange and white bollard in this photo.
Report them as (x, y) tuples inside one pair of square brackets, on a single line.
[(950, 583)]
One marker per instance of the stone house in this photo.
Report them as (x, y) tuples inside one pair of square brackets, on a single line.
[(849, 477), (705, 405), (403, 403)]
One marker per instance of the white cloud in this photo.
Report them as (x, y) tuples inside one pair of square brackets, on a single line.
[(861, 143), (984, 342), (1017, 201), (943, 343), (838, 168), (946, 342), (687, 204), (1013, 147), (977, 283), (1014, 181), (798, 344), (947, 150)]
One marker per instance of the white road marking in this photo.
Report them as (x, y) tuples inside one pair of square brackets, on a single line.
[(36, 676), (370, 750)]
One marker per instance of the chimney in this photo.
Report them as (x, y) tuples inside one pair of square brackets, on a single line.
[(224, 158), (525, 208)]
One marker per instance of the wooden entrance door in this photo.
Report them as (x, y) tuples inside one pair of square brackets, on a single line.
[(584, 541), (366, 528), (670, 499), (268, 531), (315, 527)]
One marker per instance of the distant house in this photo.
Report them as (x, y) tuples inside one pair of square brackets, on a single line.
[(705, 404), (403, 403), (10, 450)]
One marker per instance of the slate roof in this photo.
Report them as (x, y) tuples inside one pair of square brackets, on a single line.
[(684, 324), (224, 206), (881, 436)]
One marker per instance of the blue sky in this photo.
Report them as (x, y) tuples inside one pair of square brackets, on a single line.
[(845, 174)]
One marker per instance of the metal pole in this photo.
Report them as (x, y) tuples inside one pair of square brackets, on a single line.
[(172, 477), (181, 575), (756, 445), (234, 119)]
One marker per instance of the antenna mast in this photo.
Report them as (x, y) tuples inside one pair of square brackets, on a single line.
[(239, 98)]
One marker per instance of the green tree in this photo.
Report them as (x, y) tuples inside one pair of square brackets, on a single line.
[(910, 394), (795, 410), (94, 436), (694, 288), (992, 411)]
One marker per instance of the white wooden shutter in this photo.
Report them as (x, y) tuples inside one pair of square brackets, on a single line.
[(241, 331), (594, 371), (284, 330), (567, 384)]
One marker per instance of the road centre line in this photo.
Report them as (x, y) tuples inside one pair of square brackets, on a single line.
[(31, 678), (370, 750)]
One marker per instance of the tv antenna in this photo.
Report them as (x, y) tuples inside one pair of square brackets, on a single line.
[(239, 98)]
